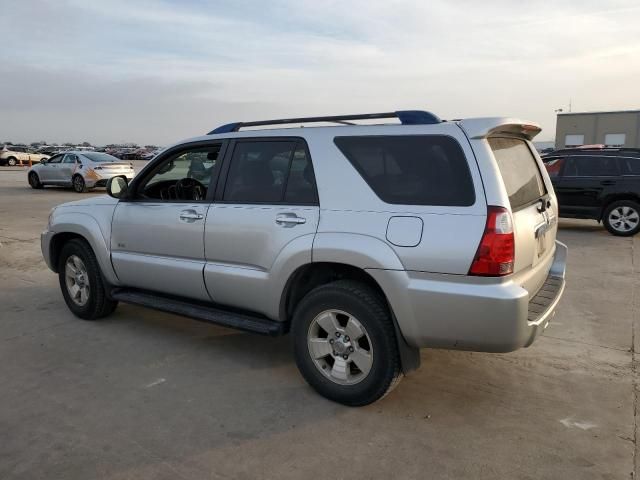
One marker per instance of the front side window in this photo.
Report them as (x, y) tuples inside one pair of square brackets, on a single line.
[(412, 169), (270, 172), (519, 170), (55, 159), (591, 166), (184, 176)]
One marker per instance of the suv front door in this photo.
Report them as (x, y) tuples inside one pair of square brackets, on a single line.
[(583, 183), (157, 238), (262, 223)]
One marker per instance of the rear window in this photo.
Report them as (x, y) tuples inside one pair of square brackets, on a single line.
[(99, 157), (412, 169), (519, 170)]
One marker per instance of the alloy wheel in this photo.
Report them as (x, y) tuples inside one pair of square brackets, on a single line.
[(624, 219), (77, 280), (340, 347)]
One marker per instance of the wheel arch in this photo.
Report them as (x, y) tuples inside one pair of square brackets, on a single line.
[(312, 275), (78, 225), (616, 197)]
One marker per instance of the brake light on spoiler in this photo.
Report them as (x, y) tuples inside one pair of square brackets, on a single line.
[(496, 252)]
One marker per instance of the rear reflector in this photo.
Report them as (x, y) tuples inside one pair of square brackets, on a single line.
[(496, 251)]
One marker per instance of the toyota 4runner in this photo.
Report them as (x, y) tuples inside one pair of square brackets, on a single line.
[(367, 242)]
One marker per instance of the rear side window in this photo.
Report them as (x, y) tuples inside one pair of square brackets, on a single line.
[(519, 170), (630, 166), (412, 169), (590, 166)]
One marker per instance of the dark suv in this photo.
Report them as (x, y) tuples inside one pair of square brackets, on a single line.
[(602, 184)]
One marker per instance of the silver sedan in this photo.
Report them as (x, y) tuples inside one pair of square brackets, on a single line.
[(80, 170)]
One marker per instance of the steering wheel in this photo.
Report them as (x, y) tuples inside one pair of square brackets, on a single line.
[(190, 189)]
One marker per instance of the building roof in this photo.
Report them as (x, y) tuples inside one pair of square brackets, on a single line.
[(598, 113)]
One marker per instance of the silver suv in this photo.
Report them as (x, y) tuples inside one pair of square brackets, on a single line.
[(367, 242)]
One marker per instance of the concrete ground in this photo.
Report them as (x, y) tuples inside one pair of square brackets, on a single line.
[(148, 395)]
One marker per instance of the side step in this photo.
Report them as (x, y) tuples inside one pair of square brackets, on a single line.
[(200, 311)]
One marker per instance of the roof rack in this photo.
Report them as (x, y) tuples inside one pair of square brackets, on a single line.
[(406, 117)]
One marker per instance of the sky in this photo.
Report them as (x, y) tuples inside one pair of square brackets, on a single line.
[(157, 71)]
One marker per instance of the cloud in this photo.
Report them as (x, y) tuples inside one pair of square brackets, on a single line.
[(178, 67)]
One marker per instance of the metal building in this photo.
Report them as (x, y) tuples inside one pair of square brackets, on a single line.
[(615, 129)]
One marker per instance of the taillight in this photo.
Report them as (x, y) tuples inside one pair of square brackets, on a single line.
[(496, 251)]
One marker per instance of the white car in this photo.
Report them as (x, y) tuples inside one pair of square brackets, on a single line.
[(81, 170), (13, 155)]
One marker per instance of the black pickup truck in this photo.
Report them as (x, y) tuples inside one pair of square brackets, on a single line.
[(602, 184)]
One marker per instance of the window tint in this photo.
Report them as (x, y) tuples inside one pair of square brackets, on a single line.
[(412, 169), (99, 157), (69, 158), (519, 170), (259, 172), (631, 166), (553, 166), (588, 166), (55, 159), (301, 184)]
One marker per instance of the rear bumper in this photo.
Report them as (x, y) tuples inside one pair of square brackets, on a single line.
[(101, 179), (472, 313)]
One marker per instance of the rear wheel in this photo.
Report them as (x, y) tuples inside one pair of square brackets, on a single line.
[(81, 282), (622, 218), (345, 344), (78, 184), (12, 162), (34, 181)]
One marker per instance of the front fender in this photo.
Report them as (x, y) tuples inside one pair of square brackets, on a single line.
[(88, 228)]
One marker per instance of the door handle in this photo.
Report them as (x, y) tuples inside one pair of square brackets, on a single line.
[(608, 182), (190, 215), (289, 219)]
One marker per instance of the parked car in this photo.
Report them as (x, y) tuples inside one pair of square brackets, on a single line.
[(367, 242), (77, 169), (13, 155), (598, 184)]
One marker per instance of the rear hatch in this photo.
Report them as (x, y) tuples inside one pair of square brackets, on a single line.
[(533, 209)]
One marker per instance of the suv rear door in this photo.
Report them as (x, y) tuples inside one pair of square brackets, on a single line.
[(583, 183), (268, 206)]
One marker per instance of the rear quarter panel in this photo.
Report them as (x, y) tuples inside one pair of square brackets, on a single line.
[(450, 235)]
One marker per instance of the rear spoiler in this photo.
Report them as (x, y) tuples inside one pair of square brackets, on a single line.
[(485, 127)]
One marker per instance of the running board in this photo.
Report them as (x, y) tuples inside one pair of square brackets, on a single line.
[(200, 311)]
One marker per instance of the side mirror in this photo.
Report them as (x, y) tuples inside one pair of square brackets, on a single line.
[(117, 186), (43, 161)]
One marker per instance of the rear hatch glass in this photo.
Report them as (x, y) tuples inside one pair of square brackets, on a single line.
[(535, 225), (519, 170)]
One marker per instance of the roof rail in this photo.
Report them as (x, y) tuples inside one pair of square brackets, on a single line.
[(406, 117)]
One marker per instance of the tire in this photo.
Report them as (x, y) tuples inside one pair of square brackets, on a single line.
[(34, 181), (78, 184), (12, 162), (622, 218), (357, 309), (94, 304)]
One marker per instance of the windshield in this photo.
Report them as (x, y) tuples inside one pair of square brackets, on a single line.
[(99, 157)]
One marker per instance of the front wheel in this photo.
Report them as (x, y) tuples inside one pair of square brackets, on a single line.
[(12, 162), (622, 218), (34, 181), (345, 344), (78, 184), (81, 282)]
